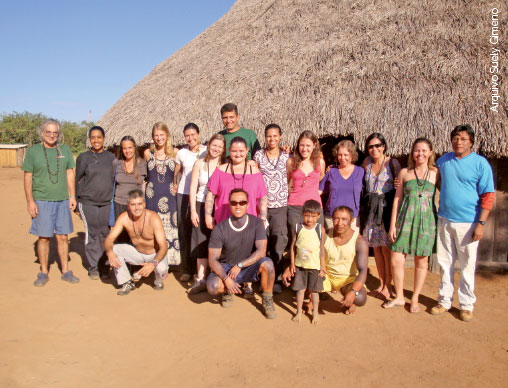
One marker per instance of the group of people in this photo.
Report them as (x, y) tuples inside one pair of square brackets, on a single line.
[(227, 213)]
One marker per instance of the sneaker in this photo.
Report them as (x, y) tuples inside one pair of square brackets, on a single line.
[(69, 277), (438, 309), (466, 315), (126, 288), (197, 287), (93, 274), (277, 288), (227, 300), (270, 312), (158, 286), (42, 279)]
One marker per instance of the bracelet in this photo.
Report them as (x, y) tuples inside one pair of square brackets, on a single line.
[(155, 262)]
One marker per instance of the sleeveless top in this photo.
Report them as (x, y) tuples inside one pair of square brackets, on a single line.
[(204, 177), (308, 246), (304, 187), (340, 259)]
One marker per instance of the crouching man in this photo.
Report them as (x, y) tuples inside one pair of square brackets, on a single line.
[(236, 254), (149, 245)]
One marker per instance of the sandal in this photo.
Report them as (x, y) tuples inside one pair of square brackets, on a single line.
[(391, 304)]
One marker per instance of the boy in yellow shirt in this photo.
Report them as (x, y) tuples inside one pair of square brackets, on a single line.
[(308, 258)]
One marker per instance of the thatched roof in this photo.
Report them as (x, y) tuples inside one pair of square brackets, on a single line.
[(405, 69)]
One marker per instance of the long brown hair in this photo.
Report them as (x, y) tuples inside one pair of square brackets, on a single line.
[(432, 159), (136, 157), (316, 154), (219, 137), (168, 147)]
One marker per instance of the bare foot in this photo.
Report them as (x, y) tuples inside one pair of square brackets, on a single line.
[(309, 306), (415, 307), (350, 310), (297, 318), (315, 319)]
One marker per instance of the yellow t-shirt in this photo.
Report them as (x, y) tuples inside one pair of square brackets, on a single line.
[(340, 259), (308, 246)]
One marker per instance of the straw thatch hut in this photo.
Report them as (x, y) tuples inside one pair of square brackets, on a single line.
[(339, 68)]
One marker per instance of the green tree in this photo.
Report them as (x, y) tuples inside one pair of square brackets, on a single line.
[(17, 127), (23, 128)]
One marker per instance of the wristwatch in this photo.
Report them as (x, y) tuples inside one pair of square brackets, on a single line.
[(356, 292), (481, 223), (240, 265)]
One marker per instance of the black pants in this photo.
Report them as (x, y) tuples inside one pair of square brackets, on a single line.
[(184, 231), (124, 236), (95, 219), (277, 236)]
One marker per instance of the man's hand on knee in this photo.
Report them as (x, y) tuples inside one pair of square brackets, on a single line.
[(147, 269)]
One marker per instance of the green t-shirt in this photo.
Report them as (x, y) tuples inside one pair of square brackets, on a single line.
[(250, 137), (46, 187)]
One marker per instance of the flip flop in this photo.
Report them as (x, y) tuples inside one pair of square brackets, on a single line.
[(391, 304)]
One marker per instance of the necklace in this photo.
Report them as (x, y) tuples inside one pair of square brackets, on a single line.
[(125, 167), (378, 173), (421, 183), (142, 228), (51, 174), (274, 166), (243, 175), (160, 168)]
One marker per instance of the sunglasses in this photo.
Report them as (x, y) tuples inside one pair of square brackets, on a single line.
[(236, 203), (372, 146)]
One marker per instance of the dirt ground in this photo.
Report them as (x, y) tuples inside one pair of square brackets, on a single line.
[(84, 335)]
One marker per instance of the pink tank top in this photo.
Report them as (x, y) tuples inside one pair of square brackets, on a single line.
[(304, 187)]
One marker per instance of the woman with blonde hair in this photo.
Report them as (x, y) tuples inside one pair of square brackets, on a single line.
[(413, 222), (160, 159), (201, 173)]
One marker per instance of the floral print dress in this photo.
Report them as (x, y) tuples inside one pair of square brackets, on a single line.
[(160, 199)]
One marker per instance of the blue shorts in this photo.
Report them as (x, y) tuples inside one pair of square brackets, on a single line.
[(247, 274), (54, 218)]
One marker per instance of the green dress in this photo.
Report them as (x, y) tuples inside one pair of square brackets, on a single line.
[(416, 221)]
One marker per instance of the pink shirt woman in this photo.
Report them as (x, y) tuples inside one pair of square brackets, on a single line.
[(236, 174), (304, 171)]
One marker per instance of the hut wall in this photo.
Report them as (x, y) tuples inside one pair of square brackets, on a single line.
[(20, 156), (8, 158), (493, 250)]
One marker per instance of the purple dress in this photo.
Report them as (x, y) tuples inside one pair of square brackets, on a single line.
[(342, 192)]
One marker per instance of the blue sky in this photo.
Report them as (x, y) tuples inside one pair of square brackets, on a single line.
[(64, 58)]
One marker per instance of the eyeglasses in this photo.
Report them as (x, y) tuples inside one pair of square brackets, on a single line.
[(53, 134), (236, 203), (372, 146)]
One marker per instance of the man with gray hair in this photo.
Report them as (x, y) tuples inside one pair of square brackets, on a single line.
[(148, 249), (50, 197)]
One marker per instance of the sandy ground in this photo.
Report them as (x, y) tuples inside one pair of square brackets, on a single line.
[(85, 335)]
